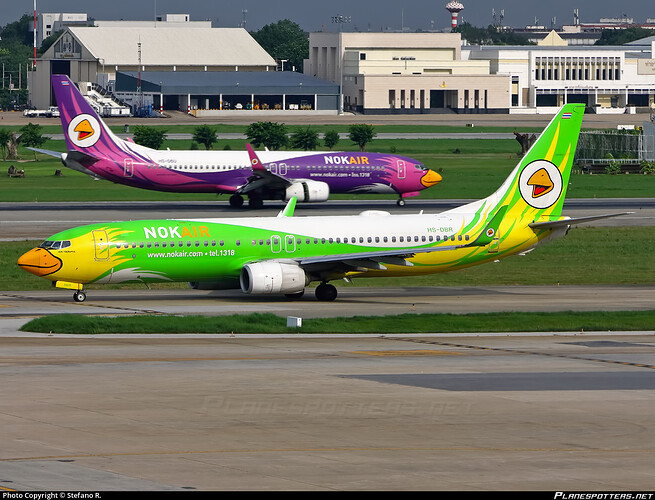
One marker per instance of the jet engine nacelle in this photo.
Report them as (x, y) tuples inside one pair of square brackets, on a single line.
[(267, 278), (308, 191)]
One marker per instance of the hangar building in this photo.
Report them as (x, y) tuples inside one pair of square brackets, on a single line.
[(176, 68)]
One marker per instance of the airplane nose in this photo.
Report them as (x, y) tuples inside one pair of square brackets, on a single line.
[(39, 261), (430, 178)]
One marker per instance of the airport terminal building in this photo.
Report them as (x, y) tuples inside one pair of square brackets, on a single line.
[(388, 73), (406, 73), (608, 79)]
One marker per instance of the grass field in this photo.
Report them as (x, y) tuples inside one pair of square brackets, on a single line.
[(404, 323), (475, 171)]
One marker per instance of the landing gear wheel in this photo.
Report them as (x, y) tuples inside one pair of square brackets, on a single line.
[(236, 201), (255, 203), (295, 296), (326, 292), (79, 296), (401, 202)]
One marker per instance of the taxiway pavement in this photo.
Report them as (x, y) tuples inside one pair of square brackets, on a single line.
[(568, 412)]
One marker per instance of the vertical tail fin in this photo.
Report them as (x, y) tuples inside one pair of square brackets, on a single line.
[(84, 130), (536, 188), (539, 182)]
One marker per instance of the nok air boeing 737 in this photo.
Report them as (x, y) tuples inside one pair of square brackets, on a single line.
[(284, 254), (93, 149)]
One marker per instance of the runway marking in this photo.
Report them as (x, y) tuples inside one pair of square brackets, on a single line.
[(520, 351), (420, 352)]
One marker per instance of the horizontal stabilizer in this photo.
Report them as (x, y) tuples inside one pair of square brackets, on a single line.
[(56, 154), (570, 222)]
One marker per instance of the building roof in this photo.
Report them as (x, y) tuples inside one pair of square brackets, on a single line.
[(643, 41), (168, 46), (552, 40), (226, 82)]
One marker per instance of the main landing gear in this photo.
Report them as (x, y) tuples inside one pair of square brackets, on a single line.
[(326, 292), (236, 201), (79, 296)]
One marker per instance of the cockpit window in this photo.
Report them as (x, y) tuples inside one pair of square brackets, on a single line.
[(420, 166), (55, 245)]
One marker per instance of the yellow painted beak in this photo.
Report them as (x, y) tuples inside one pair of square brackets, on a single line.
[(40, 262), (430, 179)]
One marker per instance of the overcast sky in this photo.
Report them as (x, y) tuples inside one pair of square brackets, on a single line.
[(366, 15)]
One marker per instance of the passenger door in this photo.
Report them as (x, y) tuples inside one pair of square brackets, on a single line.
[(101, 244)]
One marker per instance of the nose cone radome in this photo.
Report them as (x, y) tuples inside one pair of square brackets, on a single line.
[(39, 261), (431, 178)]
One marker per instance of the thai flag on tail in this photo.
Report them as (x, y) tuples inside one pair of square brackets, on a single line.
[(566, 116)]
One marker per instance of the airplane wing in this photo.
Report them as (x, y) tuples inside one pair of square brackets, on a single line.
[(369, 260), (261, 177), (396, 256)]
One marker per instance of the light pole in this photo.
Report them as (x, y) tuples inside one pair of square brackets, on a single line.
[(341, 20)]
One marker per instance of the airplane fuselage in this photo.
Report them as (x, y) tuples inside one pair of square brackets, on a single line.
[(224, 171), (201, 250)]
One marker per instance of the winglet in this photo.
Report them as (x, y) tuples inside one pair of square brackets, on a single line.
[(255, 163), (489, 233), (289, 209)]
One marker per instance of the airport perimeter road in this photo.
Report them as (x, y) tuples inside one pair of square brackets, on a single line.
[(479, 413), (448, 119), (40, 220)]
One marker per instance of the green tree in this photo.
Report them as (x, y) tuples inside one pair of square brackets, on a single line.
[(284, 40), (149, 137), (361, 134), (623, 36), (31, 136), (19, 31), (305, 139), (331, 138), (6, 137), (490, 35), (270, 134), (205, 135)]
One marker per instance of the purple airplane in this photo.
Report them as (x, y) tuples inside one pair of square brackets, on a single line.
[(309, 176)]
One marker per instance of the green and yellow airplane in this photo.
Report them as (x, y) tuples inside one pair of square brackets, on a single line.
[(284, 254)]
